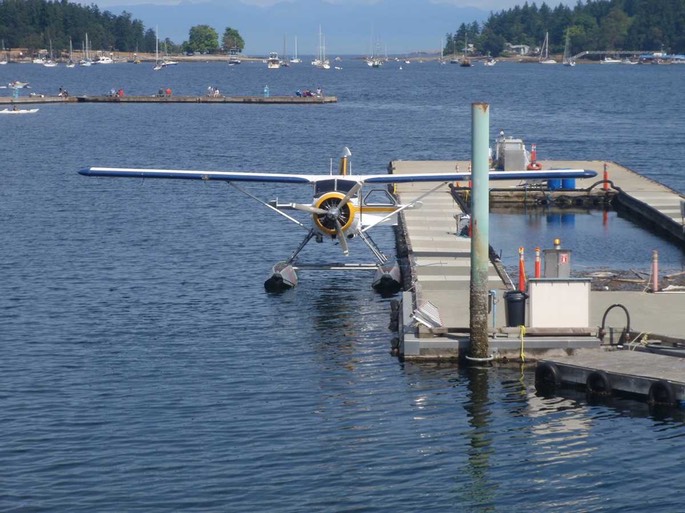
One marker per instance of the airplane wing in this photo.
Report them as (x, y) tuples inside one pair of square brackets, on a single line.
[(187, 174), (235, 176), (493, 175)]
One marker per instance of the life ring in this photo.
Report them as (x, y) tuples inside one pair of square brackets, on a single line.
[(661, 393), (534, 166), (598, 383), (547, 376)]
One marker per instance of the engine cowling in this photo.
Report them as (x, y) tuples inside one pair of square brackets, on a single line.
[(329, 202)]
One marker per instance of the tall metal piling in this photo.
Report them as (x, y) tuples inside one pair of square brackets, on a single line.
[(480, 231)]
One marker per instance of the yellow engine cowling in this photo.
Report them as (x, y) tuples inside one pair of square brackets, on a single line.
[(325, 223)]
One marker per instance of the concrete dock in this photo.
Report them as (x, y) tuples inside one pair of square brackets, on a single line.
[(259, 100), (434, 311)]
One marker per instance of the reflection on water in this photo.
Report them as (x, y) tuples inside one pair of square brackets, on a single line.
[(481, 488), (597, 239)]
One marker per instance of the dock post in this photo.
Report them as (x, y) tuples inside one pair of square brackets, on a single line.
[(480, 243)]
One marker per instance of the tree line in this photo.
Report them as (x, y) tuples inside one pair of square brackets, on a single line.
[(603, 25), (39, 24)]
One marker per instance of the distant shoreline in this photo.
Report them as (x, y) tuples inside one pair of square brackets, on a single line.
[(15, 56)]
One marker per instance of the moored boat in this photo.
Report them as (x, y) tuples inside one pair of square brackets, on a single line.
[(18, 111), (273, 62)]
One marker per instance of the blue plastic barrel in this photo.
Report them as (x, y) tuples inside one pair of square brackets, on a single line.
[(554, 184), (568, 184)]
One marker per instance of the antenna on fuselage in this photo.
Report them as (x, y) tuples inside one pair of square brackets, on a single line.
[(345, 162)]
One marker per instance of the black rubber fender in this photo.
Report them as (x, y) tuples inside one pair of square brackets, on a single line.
[(598, 383), (661, 393), (547, 376)]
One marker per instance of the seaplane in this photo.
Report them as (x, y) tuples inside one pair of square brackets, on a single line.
[(344, 207)]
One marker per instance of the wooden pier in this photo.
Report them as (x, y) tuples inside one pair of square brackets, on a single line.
[(259, 100), (434, 313)]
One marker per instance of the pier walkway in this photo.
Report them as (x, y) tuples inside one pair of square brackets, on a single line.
[(439, 264), (261, 100)]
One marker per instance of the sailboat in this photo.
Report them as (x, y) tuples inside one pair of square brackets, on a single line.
[(50, 63), (166, 61), (295, 59), (70, 62), (321, 61), (5, 58), (544, 52), (284, 61), (454, 59), (567, 60), (158, 65), (86, 58), (375, 61), (465, 61)]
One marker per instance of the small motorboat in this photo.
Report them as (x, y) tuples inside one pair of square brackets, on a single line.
[(18, 111)]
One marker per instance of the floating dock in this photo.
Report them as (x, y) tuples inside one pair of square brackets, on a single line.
[(644, 356), (434, 316), (261, 100), (656, 377)]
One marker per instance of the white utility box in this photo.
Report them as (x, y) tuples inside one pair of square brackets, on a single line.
[(559, 302)]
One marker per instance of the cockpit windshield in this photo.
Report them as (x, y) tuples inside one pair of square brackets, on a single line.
[(334, 184)]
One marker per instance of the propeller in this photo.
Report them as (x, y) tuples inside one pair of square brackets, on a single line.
[(354, 190), (341, 238), (332, 214), (310, 208)]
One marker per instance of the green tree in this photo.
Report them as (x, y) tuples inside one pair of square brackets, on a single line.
[(34, 24), (202, 39), (491, 43), (232, 39), (614, 29)]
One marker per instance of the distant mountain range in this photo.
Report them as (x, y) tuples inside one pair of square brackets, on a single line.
[(399, 27)]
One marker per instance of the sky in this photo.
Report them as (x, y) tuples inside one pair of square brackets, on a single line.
[(486, 5), (397, 27)]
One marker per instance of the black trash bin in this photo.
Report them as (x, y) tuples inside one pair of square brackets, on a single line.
[(515, 307)]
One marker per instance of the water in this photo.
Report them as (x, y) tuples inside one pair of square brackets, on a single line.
[(145, 369)]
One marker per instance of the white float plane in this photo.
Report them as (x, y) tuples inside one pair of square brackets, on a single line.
[(339, 210)]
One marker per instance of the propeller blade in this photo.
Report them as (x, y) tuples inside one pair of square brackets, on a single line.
[(309, 208), (341, 238), (354, 190)]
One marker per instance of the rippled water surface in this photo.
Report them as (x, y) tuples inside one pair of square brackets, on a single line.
[(145, 369)]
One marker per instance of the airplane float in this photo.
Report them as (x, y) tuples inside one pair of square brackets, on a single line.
[(339, 210)]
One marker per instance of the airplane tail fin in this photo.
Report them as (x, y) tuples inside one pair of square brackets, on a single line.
[(344, 169), (344, 166)]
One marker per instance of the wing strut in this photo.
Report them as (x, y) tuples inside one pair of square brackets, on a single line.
[(373, 247), (307, 238), (250, 195), (408, 205)]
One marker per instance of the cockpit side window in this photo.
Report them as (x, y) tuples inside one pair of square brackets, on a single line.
[(379, 197)]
